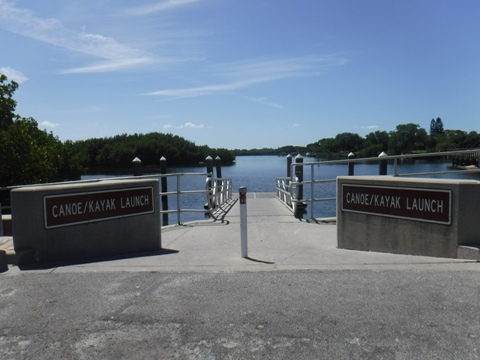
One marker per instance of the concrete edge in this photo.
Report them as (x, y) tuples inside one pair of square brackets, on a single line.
[(468, 252), (6, 220)]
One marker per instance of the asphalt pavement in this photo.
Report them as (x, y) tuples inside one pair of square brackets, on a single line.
[(295, 296)]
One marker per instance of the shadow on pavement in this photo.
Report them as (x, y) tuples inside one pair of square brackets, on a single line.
[(52, 265), (260, 261)]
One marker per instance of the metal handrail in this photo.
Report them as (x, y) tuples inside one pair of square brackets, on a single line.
[(284, 191), (220, 194), (217, 192), (287, 188)]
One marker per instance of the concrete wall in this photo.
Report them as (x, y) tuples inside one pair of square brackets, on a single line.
[(85, 220), (407, 215), (6, 223)]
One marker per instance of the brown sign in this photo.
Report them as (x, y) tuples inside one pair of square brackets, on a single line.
[(72, 209), (428, 205)]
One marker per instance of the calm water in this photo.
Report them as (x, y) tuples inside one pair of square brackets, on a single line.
[(258, 174)]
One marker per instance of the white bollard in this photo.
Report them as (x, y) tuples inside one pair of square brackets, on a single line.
[(243, 219)]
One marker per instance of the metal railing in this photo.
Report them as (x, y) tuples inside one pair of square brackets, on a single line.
[(220, 193), (216, 193), (286, 190), (289, 188)]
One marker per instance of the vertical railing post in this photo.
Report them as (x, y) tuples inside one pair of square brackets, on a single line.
[(351, 164), (395, 167), (287, 185), (242, 195), (218, 167), (300, 206), (179, 205), (382, 166), (137, 167), (209, 163), (299, 175), (164, 187), (219, 182), (211, 199), (289, 163), (312, 192)]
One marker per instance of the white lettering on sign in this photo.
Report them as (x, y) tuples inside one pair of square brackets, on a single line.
[(430, 205), (373, 200), (77, 208), (100, 205), (421, 204), (357, 198), (386, 201), (133, 201)]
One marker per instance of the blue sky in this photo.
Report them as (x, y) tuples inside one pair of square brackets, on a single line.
[(242, 74)]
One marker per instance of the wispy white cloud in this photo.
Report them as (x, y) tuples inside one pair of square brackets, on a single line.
[(265, 101), (188, 125), (115, 56), (370, 127), (158, 6), (295, 125), (168, 126), (206, 90), (248, 73), (193, 126), (109, 66), (13, 74), (280, 68), (48, 124)]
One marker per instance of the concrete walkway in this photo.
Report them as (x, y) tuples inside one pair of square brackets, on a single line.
[(276, 241)]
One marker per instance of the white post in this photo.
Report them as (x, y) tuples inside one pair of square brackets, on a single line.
[(243, 219)]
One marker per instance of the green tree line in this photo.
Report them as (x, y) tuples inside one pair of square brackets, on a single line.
[(405, 139), (119, 151), (284, 150)]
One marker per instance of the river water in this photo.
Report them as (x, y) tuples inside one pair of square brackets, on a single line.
[(258, 174)]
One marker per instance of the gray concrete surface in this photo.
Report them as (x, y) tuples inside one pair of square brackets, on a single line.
[(298, 296), (429, 217)]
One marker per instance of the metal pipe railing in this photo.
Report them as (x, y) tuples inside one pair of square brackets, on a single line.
[(287, 188), (216, 194), (220, 194)]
